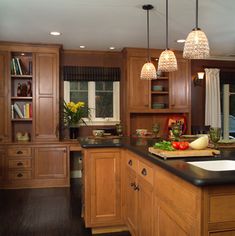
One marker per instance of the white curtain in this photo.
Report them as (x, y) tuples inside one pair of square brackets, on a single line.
[(212, 109)]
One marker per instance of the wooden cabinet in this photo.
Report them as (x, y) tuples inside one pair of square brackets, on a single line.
[(47, 97), (177, 205), (138, 89), (139, 195), (149, 102), (18, 165), (30, 73), (51, 163), (4, 119), (102, 178), (180, 86)]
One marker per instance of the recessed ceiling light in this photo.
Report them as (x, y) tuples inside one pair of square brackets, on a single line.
[(55, 33), (22, 54), (82, 46), (180, 40), (111, 48)]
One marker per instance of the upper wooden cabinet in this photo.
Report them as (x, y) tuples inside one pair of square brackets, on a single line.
[(180, 86), (46, 97), (4, 64), (138, 95), (148, 102), (29, 91)]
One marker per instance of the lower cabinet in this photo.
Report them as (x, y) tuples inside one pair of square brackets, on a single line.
[(50, 162), (177, 205), (138, 196), (32, 166), (102, 180)]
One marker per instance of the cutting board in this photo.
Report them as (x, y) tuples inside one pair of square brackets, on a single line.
[(184, 153)]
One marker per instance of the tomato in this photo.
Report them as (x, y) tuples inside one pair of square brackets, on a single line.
[(183, 145), (176, 145)]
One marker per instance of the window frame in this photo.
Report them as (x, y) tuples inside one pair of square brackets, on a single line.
[(91, 103)]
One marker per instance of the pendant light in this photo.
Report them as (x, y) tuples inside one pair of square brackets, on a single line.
[(148, 71), (167, 60), (196, 45)]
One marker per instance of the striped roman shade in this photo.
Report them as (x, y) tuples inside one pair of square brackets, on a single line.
[(87, 73)]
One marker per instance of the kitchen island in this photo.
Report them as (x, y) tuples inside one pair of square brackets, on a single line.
[(125, 185)]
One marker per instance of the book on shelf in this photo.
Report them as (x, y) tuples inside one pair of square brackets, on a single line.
[(16, 68), (25, 112), (18, 110), (19, 65)]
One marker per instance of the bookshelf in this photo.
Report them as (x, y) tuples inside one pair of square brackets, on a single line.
[(21, 93)]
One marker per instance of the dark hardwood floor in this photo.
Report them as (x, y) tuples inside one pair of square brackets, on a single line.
[(44, 212)]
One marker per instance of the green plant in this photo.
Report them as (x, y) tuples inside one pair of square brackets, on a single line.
[(74, 113)]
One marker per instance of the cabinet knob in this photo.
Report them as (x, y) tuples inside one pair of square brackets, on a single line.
[(144, 172), (19, 152), (130, 162), (19, 175), (19, 164), (133, 184)]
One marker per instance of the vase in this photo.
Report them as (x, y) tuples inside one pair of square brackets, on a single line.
[(73, 132)]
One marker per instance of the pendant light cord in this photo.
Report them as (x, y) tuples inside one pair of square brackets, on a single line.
[(196, 14), (148, 34), (167, 24)]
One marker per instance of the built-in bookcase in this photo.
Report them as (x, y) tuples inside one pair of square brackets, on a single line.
[(21, 67)]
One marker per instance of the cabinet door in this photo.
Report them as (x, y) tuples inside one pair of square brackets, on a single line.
[(103, 199), (47, 103), (180, 85), (145, 208), (138, 90), (51, 162), (4, 118), (131, 198), (165, 224)]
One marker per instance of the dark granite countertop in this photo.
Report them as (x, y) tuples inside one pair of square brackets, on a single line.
[(179, 166)]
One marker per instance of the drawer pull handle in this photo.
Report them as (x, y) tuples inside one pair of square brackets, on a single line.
[(130, 162), (19, 164), (19, 175), (144, 172), (136, 188), (19, 152)]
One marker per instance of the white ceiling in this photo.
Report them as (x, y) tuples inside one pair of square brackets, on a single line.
[(99, 24)]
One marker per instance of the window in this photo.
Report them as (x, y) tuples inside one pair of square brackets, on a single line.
[(101, 96)]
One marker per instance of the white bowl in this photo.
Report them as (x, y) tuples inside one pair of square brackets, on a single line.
[(98, 132)]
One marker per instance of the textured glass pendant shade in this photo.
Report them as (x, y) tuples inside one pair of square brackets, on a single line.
[(196, 45), (148, 71), (167, 61)]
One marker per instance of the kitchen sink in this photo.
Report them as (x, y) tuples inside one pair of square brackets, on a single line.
[(218, 165)]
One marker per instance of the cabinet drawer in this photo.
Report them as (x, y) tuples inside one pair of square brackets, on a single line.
[(19, 151), (222, 208), (19, 163), (132, 162), (146, 172), (13, 175)]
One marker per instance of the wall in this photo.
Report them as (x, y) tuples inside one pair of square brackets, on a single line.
[(90, 58), (198, 92)]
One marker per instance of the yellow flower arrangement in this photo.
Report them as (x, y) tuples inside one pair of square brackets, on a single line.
[(74, 113)]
